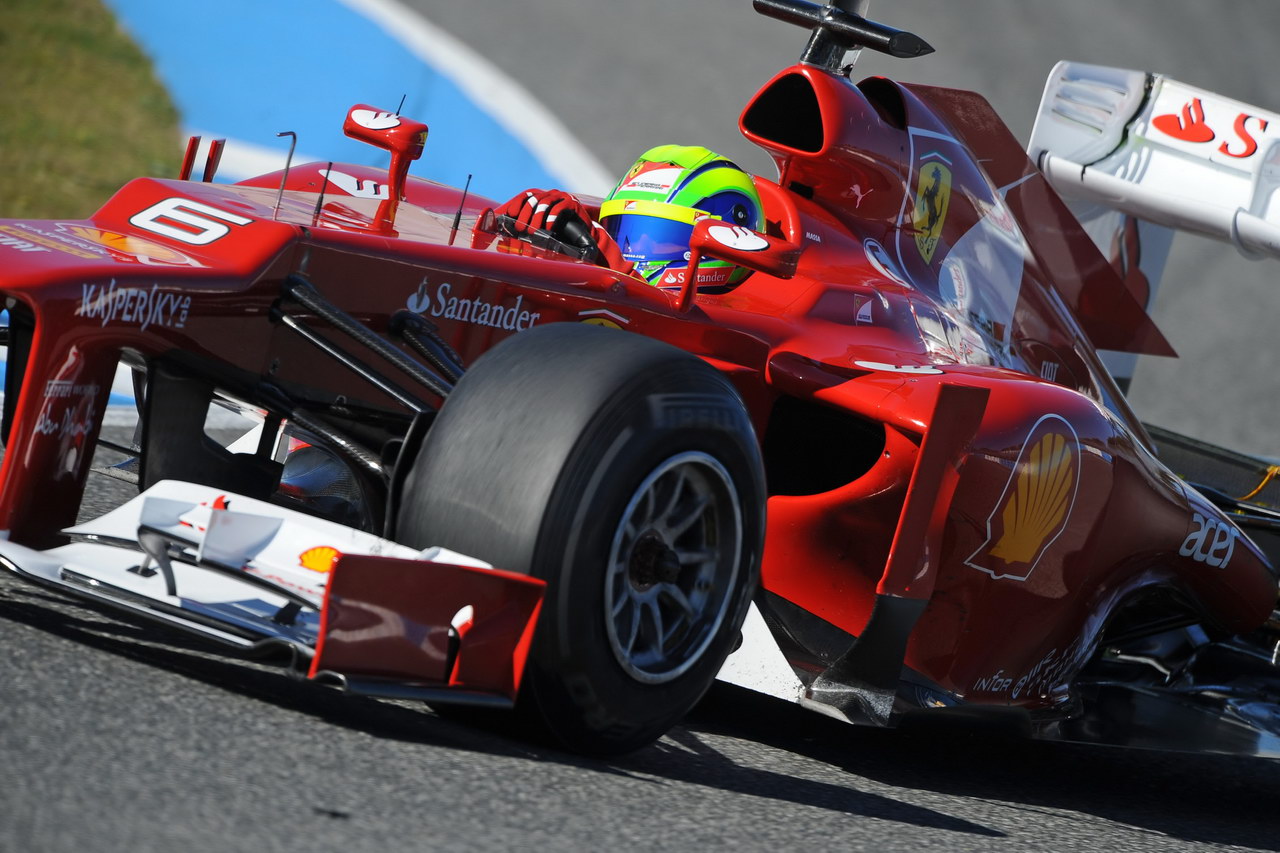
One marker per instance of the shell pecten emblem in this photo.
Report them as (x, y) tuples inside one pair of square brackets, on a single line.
[(1039, 502), (1036, 503), (319, 559), (137, 247)]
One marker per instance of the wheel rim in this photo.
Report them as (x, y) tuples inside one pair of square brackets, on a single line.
[(673, 567)]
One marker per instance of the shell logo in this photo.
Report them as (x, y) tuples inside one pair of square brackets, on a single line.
[(319, 559), (137, 247), (1039, 504), (1036, 503)]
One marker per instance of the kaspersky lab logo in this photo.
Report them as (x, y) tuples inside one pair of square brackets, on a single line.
[(1036, 503)]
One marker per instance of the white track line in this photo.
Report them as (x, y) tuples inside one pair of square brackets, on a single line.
[(503, 99)]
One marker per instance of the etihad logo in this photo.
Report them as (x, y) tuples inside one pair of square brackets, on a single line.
[(933, 197), (1036, 503), (319, 559)]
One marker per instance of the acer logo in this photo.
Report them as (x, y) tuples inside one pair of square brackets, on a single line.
[(1191, 125), (1211, 542)]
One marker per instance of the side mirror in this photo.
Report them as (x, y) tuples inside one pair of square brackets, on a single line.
[(388, 131), (403, 137), (713, 238)]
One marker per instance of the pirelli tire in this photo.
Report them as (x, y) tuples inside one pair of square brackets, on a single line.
[(626, 474)]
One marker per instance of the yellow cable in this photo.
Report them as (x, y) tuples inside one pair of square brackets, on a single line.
[(1271, 474)]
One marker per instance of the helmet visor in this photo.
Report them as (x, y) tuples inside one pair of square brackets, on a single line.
[(648, 231)]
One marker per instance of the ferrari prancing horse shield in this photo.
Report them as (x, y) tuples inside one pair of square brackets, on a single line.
[(933, 196)]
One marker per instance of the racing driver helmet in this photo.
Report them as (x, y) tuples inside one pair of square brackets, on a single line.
[(650, 214)]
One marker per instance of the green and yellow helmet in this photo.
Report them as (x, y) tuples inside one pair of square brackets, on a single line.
[(652, 210)]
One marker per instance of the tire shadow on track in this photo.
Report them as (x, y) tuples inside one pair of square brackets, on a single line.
[(1193, 797), (681, 757), (101, 629)]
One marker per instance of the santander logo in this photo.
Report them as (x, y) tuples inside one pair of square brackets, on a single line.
[(1189, 126), (1192, 125)]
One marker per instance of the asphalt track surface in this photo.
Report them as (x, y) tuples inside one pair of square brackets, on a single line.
[(119, 737)]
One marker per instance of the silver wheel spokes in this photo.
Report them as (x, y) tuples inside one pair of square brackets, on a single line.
[(672, 567)]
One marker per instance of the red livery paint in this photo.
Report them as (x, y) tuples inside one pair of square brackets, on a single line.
[(915, 350)]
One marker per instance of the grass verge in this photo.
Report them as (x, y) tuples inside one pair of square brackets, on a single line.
[(80, 110)]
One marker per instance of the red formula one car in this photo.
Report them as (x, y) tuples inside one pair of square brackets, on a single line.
[(887, 474)]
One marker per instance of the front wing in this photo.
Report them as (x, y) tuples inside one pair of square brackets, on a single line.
[(373, 616)]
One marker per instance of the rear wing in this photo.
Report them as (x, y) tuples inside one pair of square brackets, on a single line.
[(1162, 151), (1137, 156)]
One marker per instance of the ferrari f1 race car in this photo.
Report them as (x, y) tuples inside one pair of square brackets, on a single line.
[(887, 475)]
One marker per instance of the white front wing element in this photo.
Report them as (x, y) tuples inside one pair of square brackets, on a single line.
[(232, 561), (758, 664), (290, 549)]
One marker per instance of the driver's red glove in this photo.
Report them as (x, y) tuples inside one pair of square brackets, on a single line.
[(534, 209), (540, 209)]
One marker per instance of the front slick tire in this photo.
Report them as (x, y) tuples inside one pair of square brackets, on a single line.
[(625, 473)]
